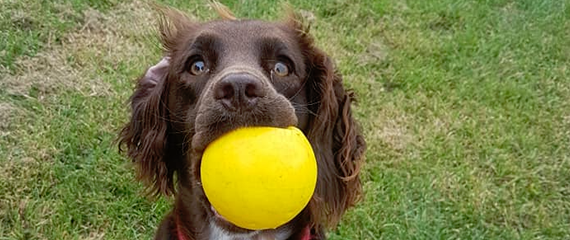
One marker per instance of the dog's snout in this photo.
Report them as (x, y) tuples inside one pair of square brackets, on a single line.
[(239, 91)]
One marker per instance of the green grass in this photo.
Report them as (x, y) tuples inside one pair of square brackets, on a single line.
[(28, 26), (465, 106)]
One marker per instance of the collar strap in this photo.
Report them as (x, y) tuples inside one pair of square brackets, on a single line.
[(307, 234), (179, 234)]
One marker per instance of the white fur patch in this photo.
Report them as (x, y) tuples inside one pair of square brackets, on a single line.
[(218, 233)]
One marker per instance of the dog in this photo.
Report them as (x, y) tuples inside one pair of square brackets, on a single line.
[(224, 74)]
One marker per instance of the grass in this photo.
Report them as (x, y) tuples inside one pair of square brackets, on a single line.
[(465, 106)]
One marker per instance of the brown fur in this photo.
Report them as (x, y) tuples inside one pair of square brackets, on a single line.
[(174, 118)]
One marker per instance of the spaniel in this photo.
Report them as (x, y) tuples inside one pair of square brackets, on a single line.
[(225, 74)]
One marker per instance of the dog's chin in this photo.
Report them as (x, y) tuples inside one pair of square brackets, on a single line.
[(224, 224), (214, 217)]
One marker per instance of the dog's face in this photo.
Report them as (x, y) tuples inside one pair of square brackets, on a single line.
[(229, 74), (221, 75)]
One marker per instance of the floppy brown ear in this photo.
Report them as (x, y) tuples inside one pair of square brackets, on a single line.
[(339, 142), (336, 138), (145, 137)]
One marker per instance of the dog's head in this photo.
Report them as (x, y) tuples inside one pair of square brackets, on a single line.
[(224, 74)]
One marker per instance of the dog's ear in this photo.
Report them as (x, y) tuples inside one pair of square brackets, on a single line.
[(337, 141), (144, 138), (174, 27)]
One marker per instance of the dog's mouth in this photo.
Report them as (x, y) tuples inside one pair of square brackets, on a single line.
[(213, 120)]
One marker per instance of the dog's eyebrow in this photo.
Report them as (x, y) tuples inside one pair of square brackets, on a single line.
[(205, 42), (272, 44)]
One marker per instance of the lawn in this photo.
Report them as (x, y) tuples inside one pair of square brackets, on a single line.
[(465, 106)]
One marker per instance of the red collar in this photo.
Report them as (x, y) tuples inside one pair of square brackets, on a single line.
[(181, 236), (307, 234), (179, 233)]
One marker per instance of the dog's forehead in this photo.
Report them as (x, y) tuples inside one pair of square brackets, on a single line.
[(239, 34), (240, 29)]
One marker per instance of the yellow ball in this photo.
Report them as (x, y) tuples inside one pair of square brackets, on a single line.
[(259, 177)]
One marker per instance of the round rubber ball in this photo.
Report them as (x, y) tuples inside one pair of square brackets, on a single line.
[(259, 177)]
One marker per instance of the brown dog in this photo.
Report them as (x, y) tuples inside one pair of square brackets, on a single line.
[(229, 73)]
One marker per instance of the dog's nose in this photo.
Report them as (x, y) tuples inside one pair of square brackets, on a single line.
[(239, 90)]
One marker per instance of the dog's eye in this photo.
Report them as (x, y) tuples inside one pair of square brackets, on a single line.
[(198, 68), (280, 69)]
